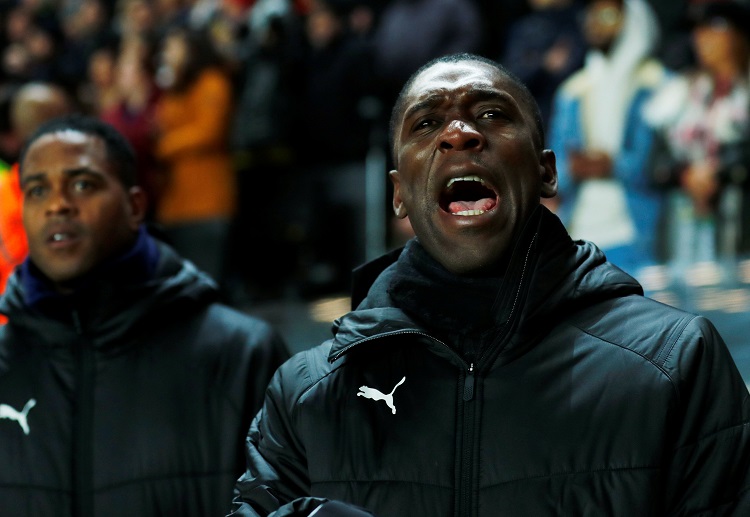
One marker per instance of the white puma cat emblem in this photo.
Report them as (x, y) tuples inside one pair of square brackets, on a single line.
[(19, 416), (372, 393)]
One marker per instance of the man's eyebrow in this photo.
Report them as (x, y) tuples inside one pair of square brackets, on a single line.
[(429, 102), (484, 94), (80, 171), (31, 178), (70, 173), (478, 94)]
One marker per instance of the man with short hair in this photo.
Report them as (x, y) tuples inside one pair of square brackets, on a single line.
[(495, 366), (125, 388)]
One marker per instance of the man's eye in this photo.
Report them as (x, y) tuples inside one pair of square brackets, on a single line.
[(492, 114), (82, 185), (424, 124), (34, 191)]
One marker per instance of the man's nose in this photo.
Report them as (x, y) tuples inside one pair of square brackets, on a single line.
[(59, 202), (460, 136)]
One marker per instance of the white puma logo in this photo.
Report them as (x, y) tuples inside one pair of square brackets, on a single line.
[(19, 416), (372, 393)]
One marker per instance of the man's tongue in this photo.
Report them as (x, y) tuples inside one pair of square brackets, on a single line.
[(462, 206)]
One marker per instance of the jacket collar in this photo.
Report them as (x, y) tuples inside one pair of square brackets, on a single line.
[(111, 309), (548, 277), (135, 265)]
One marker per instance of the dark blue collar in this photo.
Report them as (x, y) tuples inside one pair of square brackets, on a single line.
[(135, 265)]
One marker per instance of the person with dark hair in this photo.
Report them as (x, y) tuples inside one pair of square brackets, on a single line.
[(702, 117), (409, 33), (133, 113), (118, 150), (199, 194), (125, 387), (494, 366), (545, 46)]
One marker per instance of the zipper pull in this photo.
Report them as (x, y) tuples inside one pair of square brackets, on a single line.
[(469, 383), (77, 323)]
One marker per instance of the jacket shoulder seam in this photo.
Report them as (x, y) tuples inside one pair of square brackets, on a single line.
[(310, 360), (677, 333), (657, 365)]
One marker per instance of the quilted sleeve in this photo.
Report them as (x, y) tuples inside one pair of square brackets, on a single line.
[(708, 469)]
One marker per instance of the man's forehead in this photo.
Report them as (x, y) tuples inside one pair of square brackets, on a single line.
[(76, 143), (452, 78), (72, 140), (67, 136), (460, 72)]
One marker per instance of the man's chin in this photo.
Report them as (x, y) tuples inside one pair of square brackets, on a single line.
[(63, 278), (480, 264)]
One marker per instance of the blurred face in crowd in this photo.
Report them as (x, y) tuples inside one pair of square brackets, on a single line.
[(470, 168), (603, 22), (174, 60), (718, 45), (138, 16), (540, 5), (322, 25), (36, 103), (17, 24), (102, 68), (76, 211)]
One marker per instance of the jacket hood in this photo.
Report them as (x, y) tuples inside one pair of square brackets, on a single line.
[(549, 276), (109, 310)]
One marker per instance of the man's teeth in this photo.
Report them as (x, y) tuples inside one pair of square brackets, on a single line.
[(59, 237), (469, 212), (465, 178)]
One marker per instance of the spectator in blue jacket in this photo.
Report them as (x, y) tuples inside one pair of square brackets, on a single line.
[(601, 140)]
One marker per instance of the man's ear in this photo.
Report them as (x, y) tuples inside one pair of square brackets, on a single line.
[(548, 173), (138, 203), (398, 205)]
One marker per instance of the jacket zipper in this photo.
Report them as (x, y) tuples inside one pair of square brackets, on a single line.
[(464, 463), (83, 418), (469, 384)]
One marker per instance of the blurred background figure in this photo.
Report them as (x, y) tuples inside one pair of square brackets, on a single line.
[(133, 112), (602, 141), (411, 32), (261, 144), (545, 47), (198, 198), (331, 141), (30, 35), (86, 28), (99, 93), (136, 19), (703, 122)]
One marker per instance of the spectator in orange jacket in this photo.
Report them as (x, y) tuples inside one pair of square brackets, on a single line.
[(192, 115), (13, 247)]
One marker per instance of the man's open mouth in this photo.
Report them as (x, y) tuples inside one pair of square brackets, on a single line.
[(60, 237), (467, 196)]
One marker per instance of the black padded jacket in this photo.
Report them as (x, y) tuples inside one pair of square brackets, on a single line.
[(133, 401), (594, 401)]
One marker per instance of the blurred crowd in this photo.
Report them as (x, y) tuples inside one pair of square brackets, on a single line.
[(254, 121)]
